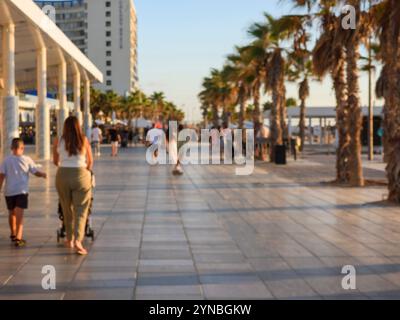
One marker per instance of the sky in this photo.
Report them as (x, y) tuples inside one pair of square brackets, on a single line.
[(181, 40)]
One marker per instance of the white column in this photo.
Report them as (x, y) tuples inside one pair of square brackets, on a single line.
[(77, 95), (87, 116), (63, 112), (42, 112), (9, 116)]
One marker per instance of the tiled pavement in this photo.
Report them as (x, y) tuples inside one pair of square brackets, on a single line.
[(210, 235)]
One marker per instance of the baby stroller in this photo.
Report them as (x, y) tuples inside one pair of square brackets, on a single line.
[(89, 232)]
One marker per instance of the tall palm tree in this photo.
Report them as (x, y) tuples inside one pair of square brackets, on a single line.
[(242, 79), (219, 93), (269, 35), (254, 59), (387, 14), (158, 102), (299, 68), (210, 95), (352, 40), (329, 56)]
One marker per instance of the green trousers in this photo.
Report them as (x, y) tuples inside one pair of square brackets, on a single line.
[(74, 187)]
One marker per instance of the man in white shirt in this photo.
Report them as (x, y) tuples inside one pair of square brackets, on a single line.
[(96, 138), (156, 136)]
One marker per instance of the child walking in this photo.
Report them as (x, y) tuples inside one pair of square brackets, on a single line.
[(15, 171)]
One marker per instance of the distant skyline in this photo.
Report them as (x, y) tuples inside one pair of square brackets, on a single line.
[(180, 41)]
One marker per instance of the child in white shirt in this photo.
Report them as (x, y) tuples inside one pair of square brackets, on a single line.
[(15, 170)]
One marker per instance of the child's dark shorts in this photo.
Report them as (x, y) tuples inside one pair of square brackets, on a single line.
[(18, 201)]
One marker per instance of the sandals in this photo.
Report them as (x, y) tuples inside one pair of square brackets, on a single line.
[(19, 243), (79, 249), (81, 252), (13, 238)]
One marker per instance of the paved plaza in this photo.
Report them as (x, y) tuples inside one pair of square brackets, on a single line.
[(278, 234)]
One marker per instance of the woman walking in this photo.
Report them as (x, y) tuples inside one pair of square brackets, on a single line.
[(73, 156)]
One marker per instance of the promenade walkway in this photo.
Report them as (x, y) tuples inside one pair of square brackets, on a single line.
[(278, 234)]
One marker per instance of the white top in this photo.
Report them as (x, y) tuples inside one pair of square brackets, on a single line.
[(17, 169), (155, 135), (96, 133), (263, 133), (67, 161)]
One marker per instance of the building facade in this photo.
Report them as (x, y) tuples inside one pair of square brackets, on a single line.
[(106, 31)]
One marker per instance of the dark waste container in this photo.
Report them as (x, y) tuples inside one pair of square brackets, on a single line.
[(280, 154)]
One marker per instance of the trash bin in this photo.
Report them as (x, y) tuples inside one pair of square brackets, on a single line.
[(280, 154)]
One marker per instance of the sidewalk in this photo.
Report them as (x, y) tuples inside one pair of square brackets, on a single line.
[(210, 235)]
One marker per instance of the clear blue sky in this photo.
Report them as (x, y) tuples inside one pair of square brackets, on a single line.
[(181, 40)]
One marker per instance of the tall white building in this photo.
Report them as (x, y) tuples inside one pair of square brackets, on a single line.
[(106, 31)]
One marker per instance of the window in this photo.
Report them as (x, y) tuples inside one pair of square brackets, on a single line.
[(108, 14), (108, 73), (108, 53), (108, 63), (108, 23), (108, 4), (109, 82), (108, 43), (108, 33)]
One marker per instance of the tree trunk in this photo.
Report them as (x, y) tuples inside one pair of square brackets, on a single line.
[(275, 123), (283, 109), (257, 111), (392, 105), (342, 151), (304, 92), (242, 105), (215, 116), (302, 124), (241, 112), (355, 115)]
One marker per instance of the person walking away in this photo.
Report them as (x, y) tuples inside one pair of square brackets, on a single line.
[(262, 141), (72, 155), (215, 144), (154, 136), (174, 147), (97, 138), (227, 138), (115, 139), (124, 138), (130, 137), (15, 171)]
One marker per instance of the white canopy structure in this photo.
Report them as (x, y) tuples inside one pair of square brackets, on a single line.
[(36, 55)]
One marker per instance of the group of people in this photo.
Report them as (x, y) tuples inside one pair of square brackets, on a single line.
[(116, 136), (72, 154)]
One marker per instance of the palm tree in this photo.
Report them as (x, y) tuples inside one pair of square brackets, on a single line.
[(157, 103), (219, 93), (210, 96), (299, 67), (329, 56), (241, 77), (352, 40), (387, 14)]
